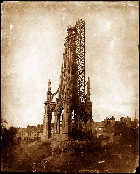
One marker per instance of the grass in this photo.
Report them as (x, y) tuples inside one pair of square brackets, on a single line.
[(69, 156), (21, 157)]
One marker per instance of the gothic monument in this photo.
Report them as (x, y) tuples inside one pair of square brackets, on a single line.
[(72, 100)]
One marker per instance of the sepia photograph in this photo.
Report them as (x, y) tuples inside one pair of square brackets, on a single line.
[(70, 86)]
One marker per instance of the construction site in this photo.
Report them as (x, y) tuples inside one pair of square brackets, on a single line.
[(74, 143)]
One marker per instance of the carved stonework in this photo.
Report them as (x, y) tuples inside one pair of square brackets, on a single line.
[(71, 91)]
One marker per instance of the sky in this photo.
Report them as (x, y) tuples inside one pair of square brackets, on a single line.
[(33, 35)]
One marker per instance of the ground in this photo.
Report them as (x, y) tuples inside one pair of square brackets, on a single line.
[(70, 156)]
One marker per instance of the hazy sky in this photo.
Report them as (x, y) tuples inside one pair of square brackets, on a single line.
[(33, 36)]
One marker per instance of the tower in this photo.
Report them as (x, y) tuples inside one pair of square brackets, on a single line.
[(71, 98)]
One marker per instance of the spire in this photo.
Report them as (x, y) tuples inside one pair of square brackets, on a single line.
[(49, 88), (49, 85), (62, 68), (49, 94), (135, 113), (88, 89)]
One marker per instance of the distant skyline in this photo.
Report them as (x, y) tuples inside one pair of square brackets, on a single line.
[(33, 35)]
